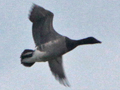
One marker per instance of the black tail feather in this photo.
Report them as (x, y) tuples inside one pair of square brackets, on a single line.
[(27, 64)]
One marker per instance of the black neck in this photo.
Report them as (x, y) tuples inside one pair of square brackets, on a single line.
[(71, 44)]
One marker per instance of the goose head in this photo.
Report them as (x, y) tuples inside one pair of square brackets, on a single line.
[(89, 40)]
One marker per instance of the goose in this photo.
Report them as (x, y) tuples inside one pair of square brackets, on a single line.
[(50, 46)]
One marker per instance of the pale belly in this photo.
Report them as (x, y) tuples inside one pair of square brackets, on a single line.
[(41, 56)]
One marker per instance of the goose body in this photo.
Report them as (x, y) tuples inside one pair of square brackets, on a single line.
[(50, 46)]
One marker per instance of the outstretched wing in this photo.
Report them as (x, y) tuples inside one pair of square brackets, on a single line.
[(56, 67), (42, 28)]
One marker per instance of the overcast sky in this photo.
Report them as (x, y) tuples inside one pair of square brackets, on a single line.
[(90, 67)]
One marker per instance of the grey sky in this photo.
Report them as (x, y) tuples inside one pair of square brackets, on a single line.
[(91, 67)]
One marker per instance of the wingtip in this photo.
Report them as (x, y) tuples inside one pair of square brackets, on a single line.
[(65, 82), (62, 81), (34, 5), (36, 13)]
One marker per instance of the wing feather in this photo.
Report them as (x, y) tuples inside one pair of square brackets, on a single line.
[(42, 28), (56, 67)]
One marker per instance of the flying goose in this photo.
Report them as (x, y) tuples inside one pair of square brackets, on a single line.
[(50, 46)]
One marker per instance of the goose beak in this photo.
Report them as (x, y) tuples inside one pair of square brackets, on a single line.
[(98, 41)]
